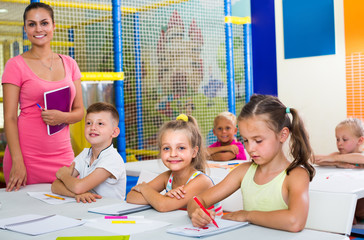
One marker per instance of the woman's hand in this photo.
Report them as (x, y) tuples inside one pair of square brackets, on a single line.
[(87, 197), (177, 192), (17, 176), (53, 117), (200, 219)]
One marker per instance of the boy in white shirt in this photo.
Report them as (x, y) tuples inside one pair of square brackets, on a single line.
[(100, 168)]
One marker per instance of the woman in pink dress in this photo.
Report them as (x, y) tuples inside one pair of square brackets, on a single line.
[(32, 156)]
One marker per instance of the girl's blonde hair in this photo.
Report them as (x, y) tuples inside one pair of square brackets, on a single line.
[(355, 124), (277, 117), (227, 115), (192, 131)]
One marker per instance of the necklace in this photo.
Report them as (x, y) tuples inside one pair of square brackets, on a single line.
[(44, 65)]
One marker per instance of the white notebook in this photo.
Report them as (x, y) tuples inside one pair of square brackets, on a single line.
[(210, 229), (119, 209), (33, 224)]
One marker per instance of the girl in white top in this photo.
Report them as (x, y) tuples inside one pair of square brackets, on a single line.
[(275, 190), (182, 151)]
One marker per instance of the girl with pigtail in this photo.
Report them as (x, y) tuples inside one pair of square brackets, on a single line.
[(274, 189), (182, 151)]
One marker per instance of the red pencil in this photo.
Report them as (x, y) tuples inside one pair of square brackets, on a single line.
[(204, 209)]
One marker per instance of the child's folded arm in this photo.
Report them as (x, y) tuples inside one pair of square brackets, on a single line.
[(163, 203), (59, 188), (134, 196), (223, 156), (79, 186), (214, 150)]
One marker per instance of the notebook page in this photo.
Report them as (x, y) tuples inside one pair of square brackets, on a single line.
[(210, 229), (45, 225)]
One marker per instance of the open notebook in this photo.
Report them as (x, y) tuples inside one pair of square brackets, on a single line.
[(119, 209), (191, 231), (33, 224)]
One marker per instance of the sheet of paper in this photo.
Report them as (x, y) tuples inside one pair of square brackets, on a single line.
[(138, 225), (210, 229), (51, 200)]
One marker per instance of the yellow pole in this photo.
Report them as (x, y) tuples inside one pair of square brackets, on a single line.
[(237, 20)]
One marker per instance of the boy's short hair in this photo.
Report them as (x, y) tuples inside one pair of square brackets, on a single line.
[(227, 115), (104, 107)]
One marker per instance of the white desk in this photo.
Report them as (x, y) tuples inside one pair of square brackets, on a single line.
[(327, 179), (338, 180), (18, 203)]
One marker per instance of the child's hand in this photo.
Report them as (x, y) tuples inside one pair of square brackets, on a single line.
[(319, 159), (234, 149), (240, 216), (65, 171), (138, 187), (346, 165), (87, 197), (200, 219), (177, 192)]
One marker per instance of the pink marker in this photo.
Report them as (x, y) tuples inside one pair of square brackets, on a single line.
[(122, 217), (116, 217)]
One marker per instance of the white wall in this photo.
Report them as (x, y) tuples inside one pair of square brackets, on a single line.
[(315, 86)]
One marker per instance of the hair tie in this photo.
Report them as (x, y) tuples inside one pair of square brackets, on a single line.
[(288, 110), (182, 117)]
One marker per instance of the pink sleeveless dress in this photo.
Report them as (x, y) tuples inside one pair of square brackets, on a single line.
[(43, 154)]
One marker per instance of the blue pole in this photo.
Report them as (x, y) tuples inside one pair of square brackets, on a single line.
[(71, 38), (118, 67), (138, 81), (229, 58), (249, 87), (25, 37)]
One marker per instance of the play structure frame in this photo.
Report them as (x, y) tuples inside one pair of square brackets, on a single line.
[(118, 76)]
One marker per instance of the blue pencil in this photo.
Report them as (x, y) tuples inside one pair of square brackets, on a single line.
[(40, 107)]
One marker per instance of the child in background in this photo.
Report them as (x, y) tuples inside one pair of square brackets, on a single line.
[(349, 140), (274, 189), (226, 148), (100, 168), (182, 151)]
